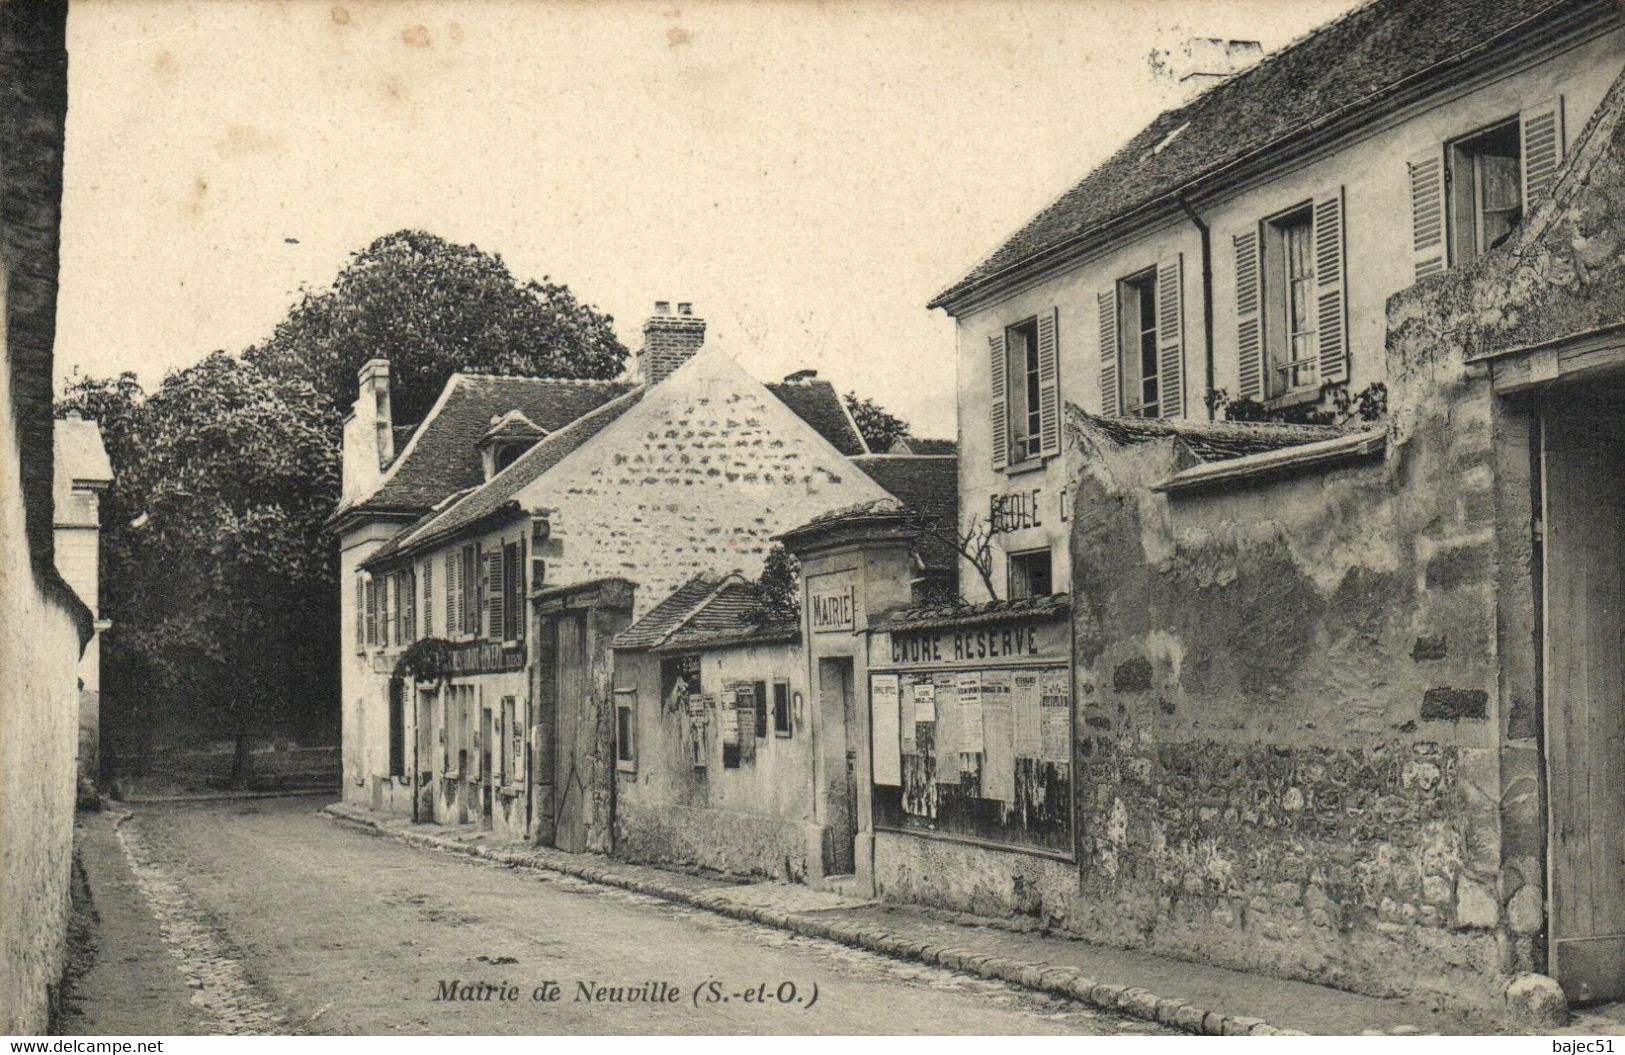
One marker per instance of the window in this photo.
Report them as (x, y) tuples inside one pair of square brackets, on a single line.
[(509, 742), (1290, 332), (1137, 318), (1483, 185), (397, 727), (781, 708), (1030, 574), (506, 455), (761, 708), (626, 730), (1021, 362)]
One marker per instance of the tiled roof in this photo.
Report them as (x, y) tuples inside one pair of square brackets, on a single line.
[(926, 617), (819, 405), (500, 490), (929, 485), (1335, 71), (658, 623), (442, 455), (1212, 441), (917, 445)]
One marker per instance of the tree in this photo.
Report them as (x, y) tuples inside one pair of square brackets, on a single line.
[(216, 575), (433, 308), (776, 592), (879, 428)]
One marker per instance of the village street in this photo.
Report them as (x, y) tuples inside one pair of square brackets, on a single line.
[(263, 916)]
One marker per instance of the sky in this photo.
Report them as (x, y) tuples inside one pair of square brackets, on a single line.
[(808, 174)]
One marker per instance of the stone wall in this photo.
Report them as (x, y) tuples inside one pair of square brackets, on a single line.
[(45, 625)]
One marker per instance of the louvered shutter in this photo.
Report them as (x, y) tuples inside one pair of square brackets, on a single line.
[(1331, 286), (428, 597), (470, 582), (495, 596), (454, 593), (524, 597), (998, 383), (1542, 149), (372, 612), (1249, 321), (1171, 336), (1049, 383), (360, 612), (411, 605), (1427, 212), (1110, 394)]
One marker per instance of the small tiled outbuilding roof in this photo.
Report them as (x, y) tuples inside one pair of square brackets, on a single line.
[(442, 456), (928, 485), (1341, 70), (728, 617), (819, 405), (1212, 441), (917, 445), (927, 617), (658, 622)]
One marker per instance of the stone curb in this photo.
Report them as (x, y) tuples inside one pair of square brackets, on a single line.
[(1066, 982)]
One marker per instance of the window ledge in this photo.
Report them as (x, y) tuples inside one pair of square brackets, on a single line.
[(1295, 398), (1031, 465), (1237, 471)]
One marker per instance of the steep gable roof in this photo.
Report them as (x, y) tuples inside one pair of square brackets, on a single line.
[(1335, 71), (819, 405), (706, 612), (929, 485), (442, 456), (665, 617)]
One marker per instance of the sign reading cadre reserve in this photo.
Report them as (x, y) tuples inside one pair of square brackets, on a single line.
[(833, 610)]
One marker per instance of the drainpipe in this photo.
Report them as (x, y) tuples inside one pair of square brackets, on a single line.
[(1207, 297)]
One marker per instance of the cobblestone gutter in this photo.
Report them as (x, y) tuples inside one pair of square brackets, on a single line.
[(221, 989), (1065, 982)]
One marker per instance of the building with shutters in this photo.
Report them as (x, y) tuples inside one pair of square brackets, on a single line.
[(524, 523), (1241, 248)]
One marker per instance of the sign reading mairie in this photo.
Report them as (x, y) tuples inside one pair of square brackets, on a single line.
[(833, 610)]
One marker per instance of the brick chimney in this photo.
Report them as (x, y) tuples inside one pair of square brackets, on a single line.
[(670, 339), (369, 436)]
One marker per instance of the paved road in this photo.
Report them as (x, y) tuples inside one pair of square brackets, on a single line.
[(271, 909)]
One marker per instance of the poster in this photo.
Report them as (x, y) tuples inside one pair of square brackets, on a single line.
[(1056, 702), (925, 700), (969, 688), (998, 738), (945, 689), (905, 717), (728, 715), (884, 730), (1024, 705)]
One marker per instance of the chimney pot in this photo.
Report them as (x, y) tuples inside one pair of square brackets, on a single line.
[(685, 308), (662, 307)]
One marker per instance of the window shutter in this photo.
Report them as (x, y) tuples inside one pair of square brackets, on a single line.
[(1427, 211), (360, 611), (428, 597), (1249, 328), (1331, 286), (411, 605), (1110, 395), (1542, 149), (1001, 409), (523, 600), (372, 612), (454, 593), (1171, 335), (1049, 385), (495, 596), (469, 605)]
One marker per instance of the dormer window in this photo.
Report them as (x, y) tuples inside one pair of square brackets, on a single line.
[(509, 436)]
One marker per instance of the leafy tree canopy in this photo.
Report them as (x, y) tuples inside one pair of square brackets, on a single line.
[(879, 427), (433, 308)]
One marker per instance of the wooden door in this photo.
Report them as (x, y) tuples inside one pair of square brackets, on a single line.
[(836, 709), (575, 729), (1583, 447)]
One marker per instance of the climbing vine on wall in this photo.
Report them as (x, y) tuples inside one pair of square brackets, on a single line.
[(1336, 406)]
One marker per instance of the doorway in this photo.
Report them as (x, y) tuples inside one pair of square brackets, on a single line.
[(576, 731), (1583, 506), (838, 713)]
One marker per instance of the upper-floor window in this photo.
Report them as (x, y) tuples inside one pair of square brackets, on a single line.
[(1137, 315), (1468, 194), (1025, 392), (1021, 360), (1142, 343), (1486, 196), (1030, 574), (1290, 329)]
